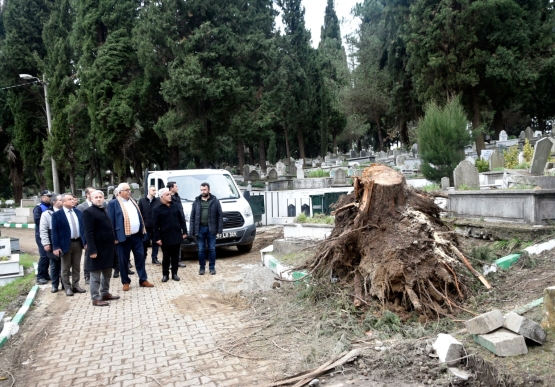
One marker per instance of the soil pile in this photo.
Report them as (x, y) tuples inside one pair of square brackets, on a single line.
[(389, 242)]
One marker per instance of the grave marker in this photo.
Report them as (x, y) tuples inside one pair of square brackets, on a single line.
[(466, 174), (542, 150)]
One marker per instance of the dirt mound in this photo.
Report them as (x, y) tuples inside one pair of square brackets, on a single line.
[(389, 242)]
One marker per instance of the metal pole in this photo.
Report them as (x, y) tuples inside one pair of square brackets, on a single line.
[(55, 180)]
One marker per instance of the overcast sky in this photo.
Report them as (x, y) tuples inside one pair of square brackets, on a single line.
[(314, 17)]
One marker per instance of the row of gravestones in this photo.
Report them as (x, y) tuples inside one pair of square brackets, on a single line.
[(466, 173)]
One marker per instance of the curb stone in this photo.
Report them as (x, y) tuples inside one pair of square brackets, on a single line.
[(18, 225), (277, 268), (18, 318)]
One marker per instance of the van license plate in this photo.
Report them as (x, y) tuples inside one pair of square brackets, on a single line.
[(231, 234)]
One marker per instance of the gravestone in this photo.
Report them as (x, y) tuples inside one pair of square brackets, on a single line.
[(254, 176), (466, 174), (400, 160), (246, 171), (280, 168), (353, 154), (340, 176), (496, 160), (529, 133), (522, 135), (542, 150), (300, 171), (521, 158), (503, 136), (292, 170), (396, 152), (537, 133), (363, 153), (382, 155), (272, 174), (486, 154), (228, 168), (444, 182), (471, 160)]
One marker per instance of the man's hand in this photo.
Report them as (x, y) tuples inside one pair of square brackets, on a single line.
[(184, 236), (57, 252), (47, 247), (93, 255), (116, 242), (159, 243)]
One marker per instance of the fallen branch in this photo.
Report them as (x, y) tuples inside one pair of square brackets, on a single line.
[(469, 266), (283, 349), (11, 376)]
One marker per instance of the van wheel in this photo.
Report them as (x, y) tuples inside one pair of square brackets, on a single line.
[(244, 248)]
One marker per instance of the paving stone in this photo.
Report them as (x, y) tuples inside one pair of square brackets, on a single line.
[(485, 323), (525, 327), (503, 343), (448, 349)]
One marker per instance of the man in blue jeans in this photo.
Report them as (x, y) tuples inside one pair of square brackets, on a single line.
[(206, 222), (44, 262)]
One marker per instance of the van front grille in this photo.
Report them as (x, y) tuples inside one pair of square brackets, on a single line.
[(233, 219)]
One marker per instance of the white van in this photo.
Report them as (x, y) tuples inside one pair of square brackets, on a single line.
[(239, 228)]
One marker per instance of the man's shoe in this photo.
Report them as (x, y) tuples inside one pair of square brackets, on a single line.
[(125, 287), (130, 272), (100, 303), (108, 297), (156, 262), (213, 271), (54, 289), (116, 274), (146, 284), (181, 264), (175, 277), (165, 278), (201, 272), (69, 292), (79, 290), (42, 281), (87, 280)]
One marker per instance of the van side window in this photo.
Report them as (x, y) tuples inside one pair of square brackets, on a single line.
[(160, 184), (152, 182)]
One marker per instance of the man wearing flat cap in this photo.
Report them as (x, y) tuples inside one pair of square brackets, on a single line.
[(42, 271)]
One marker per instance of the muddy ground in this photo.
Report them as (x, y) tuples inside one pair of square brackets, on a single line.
[(301, 327)]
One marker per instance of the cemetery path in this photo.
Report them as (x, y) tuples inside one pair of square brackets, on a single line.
[(163, 336)]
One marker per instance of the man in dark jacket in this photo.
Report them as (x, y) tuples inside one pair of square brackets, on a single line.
[(100, 237), (146, 205), (68, 241), (169, 229), (174, 189), (206, 222), (42, 270)]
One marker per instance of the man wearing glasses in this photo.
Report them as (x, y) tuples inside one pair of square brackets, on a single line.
[(128, 224)]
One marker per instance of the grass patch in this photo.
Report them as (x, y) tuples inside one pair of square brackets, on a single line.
[(294, 259), (483, 254), (12, 291), (317, 219), (27, 260), (318, 173), (511, 245), (431, 187)]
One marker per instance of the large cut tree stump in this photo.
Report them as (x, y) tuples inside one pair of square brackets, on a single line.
[(389, 243)]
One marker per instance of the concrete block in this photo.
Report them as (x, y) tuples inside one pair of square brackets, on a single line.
[(449, 350), (525, 327), (485, 323), (22, 219), (548, 321), (503, 343), (24, 211), (507, 261)]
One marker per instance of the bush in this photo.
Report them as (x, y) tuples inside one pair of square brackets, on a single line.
[(482, 165), (511, 157), (318, 173), (527, 151), (442, 136)]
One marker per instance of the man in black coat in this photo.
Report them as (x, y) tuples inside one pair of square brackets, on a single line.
[(174, 189), (146, 205), (100, 237), (207, 222), (169, 230)]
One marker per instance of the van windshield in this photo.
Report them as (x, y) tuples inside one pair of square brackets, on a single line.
[(221, 186)]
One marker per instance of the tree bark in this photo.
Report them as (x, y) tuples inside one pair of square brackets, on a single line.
[(287, 149), (174, 157), (262, 154), (16, 176), (497, 123), (380, 138), (251, 155), (404, 132), (477, 122), (241, 154), (300, 138)]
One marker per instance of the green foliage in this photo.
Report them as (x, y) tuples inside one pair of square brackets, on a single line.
[(511, 157), (527, 151), (442, 136), (431, 187), (522, 166), (483, 254), (317, 218), (482, 165), (318, 173)]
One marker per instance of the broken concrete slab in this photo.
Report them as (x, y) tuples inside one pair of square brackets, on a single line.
[(503, 342), (461, 374), (485, 323), (548, 321), (525, 327), (448, 349)]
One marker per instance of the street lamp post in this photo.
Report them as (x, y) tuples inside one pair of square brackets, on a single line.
[(55, 180)]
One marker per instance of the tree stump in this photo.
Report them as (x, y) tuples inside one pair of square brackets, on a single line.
[(390, 244)]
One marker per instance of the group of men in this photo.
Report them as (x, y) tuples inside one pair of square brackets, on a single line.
[(109, 232)]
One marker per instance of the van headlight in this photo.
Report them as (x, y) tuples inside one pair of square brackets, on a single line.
[(247, 211)]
